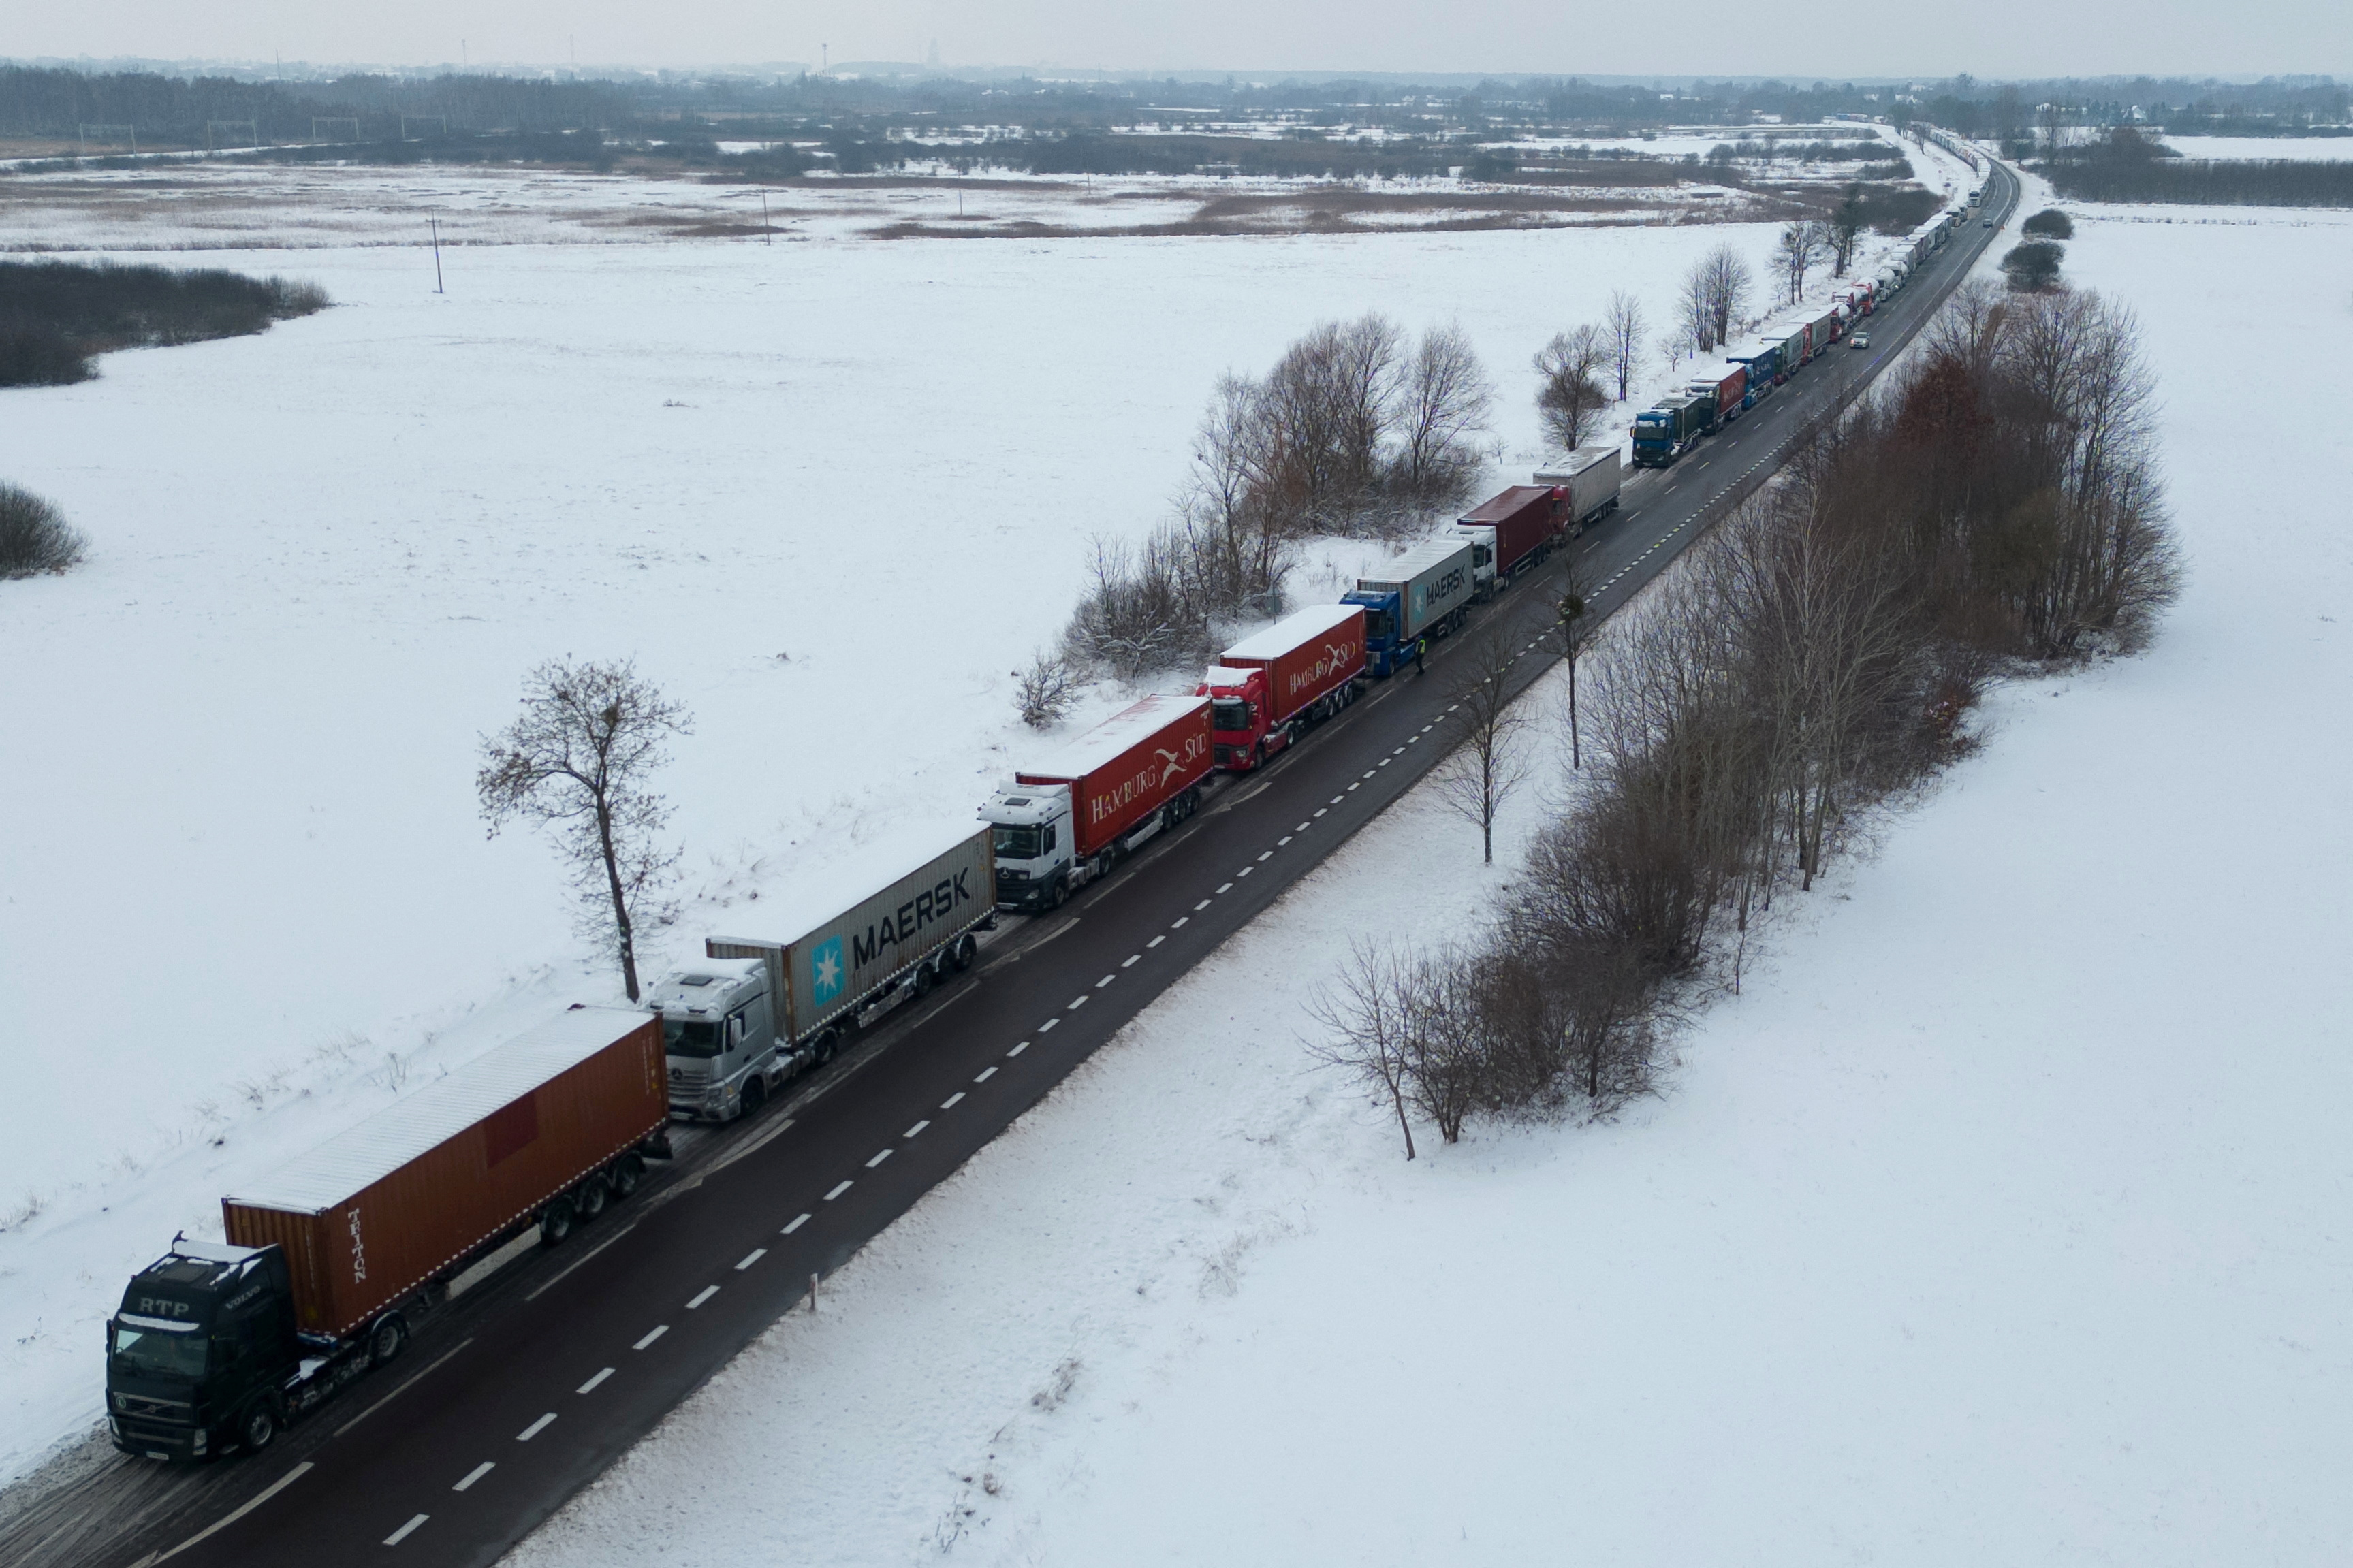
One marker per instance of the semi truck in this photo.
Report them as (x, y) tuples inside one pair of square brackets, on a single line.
[(1423, 593), (753, 1012), (217, 1345), (1070, 817), (1726, 381), (1510, 533), (1589, 480), (1665, 430), (1762, 358), (1266, 690)]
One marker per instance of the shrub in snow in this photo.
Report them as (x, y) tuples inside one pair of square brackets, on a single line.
[(1047, 689), (2050, 224), (2033, 268), (33, 536), (35, 355)]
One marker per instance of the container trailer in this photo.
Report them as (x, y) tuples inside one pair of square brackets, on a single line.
[(1726, 381), (1591, 478), (1666, 430), (1267, 690), (1514, 531), (217, 1345), (1423, 593), (1070, 817), (752, 1012)]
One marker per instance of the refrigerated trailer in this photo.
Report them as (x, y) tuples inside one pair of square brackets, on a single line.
[(1267, 690), (217, 1345), (1589, 482), (755, 1012), (1069, 818)]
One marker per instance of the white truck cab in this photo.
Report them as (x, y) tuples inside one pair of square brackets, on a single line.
[(1031, 837), (1482, 558), (719, 1037)]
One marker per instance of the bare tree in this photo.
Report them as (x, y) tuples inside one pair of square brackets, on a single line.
[(1047, 689), (1622, 323), (1487, 763), (1726, 283), (1568, 395), (1442, 406), (1366, 1014), (579, 760), (1845, 230), (1575, 606), (1794, 254), (1694, 327)]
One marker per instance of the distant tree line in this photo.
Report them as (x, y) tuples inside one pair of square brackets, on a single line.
[(1815, 654), (2252, 181), (56, 315)]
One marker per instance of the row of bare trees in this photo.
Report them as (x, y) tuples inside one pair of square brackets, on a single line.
[(1814, 655)]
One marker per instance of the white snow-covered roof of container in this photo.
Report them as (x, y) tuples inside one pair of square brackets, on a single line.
[(1414, 559), (364, 1155), (1294, 630), (1127, 728), (1220, 675), (819, 890), (1717, 373)]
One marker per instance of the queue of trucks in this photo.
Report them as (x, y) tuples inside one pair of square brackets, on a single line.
[(328, 1262)]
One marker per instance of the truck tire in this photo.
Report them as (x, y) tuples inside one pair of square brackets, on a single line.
[(259, 1428), (555, 1223), (626, 1173), (588, 1200), (755, 1095), (827, 1044), (1062, 890), (386, 1340), (964, 953), (926, 977)]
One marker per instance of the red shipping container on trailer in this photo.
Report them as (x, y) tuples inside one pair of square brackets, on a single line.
[(1306, 656), (1129, 767), (1525, 517), (410, 1194)]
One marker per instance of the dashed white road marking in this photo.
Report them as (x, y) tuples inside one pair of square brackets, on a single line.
[(1321, 809), (1130, 959), (916, 1130), (1385, 762), (1048, 1024), (1196, 909), (476, 1474), (1369, 773), (1358, 785), (590, 1386), (1105, 981), (1018, 1049), (843, 1186), (1245, 870), (950, 1103), (658, 1331), (536, 1427), (1336, 799), (1266, 856), (1156, 940), (398, 1536), (985, 1074), (1178, 923), (701, 1296), (749, 1258), (1225, 887), (1284, 839), (1076, 1006), (877, 1159)]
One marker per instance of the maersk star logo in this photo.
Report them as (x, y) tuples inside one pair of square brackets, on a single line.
[(825, 971)]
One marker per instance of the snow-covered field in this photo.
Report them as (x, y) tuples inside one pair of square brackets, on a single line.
[(2002, 1220), (2318, 148)]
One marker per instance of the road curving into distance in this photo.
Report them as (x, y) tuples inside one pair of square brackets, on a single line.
[(523, 1390)]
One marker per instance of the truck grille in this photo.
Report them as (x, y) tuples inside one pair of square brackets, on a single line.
[(690, 1078), (167, 1409)]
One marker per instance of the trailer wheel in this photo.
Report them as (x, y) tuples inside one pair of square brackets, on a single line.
[(827, 1044), (591, 1200), (1062, 890), (555, 1223), (925, 978), (385, 1339), (964, 953), (259, 1428), (626, 1173)]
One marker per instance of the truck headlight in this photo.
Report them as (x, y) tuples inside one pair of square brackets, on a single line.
[(197, 1444)]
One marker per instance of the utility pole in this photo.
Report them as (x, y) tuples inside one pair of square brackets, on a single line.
[(437, 254), (1572, 610), (765, 239)]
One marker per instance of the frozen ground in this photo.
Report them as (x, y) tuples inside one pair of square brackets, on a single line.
[(828, 494), (2002, 1220), (2320, 149)]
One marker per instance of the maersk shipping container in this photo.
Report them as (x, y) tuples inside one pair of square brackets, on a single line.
[(1432, 581), (838, 963), (1129, 767), (413, 1192)]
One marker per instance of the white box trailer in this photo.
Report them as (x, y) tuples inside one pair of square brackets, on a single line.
[(1591, 475)]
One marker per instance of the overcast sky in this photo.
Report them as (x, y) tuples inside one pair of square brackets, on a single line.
[(1798, 39)]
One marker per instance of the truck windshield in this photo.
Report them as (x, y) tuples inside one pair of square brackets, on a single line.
[(1230, 716), (690, 1037), (1019, 843), (156, 1353), (1376, 625)]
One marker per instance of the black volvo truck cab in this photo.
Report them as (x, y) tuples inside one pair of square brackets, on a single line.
[(201, 1352)]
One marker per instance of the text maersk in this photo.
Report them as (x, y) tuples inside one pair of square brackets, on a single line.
[(897, 929)]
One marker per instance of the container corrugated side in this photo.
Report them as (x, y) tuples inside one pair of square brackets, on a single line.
[(1115, 795), (835, 965), (376, 1243)]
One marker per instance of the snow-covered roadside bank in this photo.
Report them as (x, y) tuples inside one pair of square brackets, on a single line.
[(2002, 1220)]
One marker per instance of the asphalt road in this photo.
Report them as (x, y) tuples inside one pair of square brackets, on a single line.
[(524, 1390)]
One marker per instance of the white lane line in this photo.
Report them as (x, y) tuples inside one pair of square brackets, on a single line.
[(1245, 870), (1156, 940), (1321, 809), (916, 1130), (1018, 1049), (877, 1159), (701, 1296), (398, 1536), (1451, 706), (1048, 1024), (1387, 760), (1286, 839), (536, 1427), (414, 1380), (590, 1386), (950, 1103), (1336, 799), (660, 1330), (255, 1501), (748, 1259), (1369, 773), (1129, 960), (1105, 981), (1301, 828), (985, 1074), (1412, 740), (843, 1186), (1076, 1006), (1197, 909), (1400, 751), (1358, 785), (1268, 855), (1225, 887), (1178, 923), (476, 1474), (800, 1220)]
